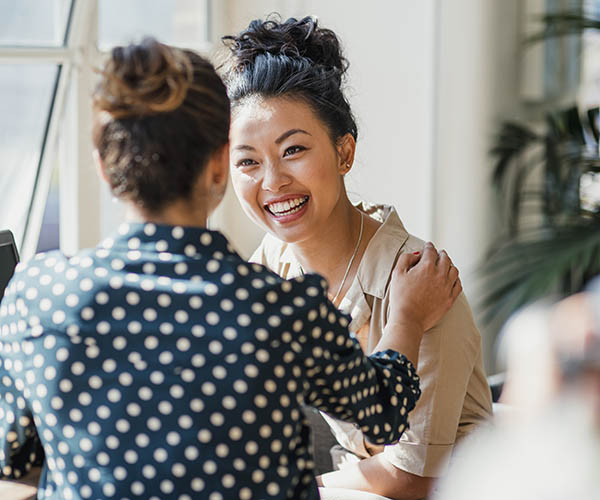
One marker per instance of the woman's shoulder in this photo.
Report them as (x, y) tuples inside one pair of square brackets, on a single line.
[(389, 242)]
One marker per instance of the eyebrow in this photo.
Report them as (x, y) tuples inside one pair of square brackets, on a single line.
[(290, 132), (279, 140), (244, 147)]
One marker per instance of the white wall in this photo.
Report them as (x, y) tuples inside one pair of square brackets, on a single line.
[(478, 86)]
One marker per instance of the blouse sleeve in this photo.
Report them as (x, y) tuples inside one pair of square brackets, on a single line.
[(376, 392), (20, 447)]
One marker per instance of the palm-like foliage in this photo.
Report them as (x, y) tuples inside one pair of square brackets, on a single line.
[(561, 252)]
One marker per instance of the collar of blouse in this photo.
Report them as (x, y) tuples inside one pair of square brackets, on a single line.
[(139, 238)]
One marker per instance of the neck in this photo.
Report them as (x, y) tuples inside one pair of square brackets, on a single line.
[(328, 252), (178, 213)]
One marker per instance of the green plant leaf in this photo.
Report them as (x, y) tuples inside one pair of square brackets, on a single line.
[(539, 264), (512, 141)]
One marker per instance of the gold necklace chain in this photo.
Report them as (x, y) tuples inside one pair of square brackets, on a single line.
[(351, 258)]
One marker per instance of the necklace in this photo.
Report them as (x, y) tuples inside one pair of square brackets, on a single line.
[(351, 258)]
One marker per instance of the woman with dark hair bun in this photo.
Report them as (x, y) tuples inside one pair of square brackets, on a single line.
[(293, 140), (160, 364)]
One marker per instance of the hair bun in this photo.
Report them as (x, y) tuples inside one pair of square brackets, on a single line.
[(295, 38), (143, 79)]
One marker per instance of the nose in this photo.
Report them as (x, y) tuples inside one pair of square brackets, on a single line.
[(275, 178)]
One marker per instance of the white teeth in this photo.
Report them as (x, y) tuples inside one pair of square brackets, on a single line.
[(287, 207)]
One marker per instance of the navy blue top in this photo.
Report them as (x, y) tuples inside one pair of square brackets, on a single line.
[(161, 365)]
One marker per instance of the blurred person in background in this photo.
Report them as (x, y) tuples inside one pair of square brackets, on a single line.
[(546, 444)]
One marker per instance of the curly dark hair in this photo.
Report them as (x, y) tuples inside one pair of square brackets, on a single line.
[(294, 58), (160, 114)]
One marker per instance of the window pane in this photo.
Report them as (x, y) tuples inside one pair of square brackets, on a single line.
[(34, 23), (26, 93), (177, 22), (49, 233)]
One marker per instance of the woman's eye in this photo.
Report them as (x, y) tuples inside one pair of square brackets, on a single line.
[(247, 162), (293, 150)]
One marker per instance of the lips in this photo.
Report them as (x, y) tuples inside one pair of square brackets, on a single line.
[(287, 207)]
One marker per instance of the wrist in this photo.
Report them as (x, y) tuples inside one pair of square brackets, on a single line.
[(405, 326)]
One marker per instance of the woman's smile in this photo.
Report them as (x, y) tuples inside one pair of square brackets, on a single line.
[(288, 208)]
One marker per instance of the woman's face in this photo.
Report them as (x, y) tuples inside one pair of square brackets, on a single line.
[(285, 169)]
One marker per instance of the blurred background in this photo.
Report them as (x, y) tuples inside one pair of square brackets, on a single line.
[(477, 120)]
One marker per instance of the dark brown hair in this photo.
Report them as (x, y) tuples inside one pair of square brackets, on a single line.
[(160, 114), (293, 58)]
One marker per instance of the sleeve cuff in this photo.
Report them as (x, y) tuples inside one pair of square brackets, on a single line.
[(425, 460)]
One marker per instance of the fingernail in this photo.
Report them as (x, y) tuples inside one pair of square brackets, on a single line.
[(416, 253)]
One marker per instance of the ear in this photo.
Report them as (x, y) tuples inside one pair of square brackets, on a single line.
[(346, 147), (217, 170), (99, 165)]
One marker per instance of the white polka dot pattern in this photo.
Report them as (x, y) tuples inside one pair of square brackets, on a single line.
[(161, 365)]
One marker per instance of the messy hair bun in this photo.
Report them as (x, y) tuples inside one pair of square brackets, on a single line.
[(144, 79), (295, 58), (161, 112), (302, 39)]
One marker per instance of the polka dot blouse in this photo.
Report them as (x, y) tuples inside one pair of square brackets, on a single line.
[(161, 365)]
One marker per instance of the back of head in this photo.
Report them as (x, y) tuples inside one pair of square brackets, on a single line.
[(160, 114), (294, 58)]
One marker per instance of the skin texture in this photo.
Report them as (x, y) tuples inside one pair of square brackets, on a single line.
[(279, 149)]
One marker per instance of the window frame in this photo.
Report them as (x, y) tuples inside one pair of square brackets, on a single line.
[(68, 61), (67, 135)]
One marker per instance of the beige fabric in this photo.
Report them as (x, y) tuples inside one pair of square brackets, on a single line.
[(455, 394)]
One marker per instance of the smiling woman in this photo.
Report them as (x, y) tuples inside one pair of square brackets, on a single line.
[(293, 140)]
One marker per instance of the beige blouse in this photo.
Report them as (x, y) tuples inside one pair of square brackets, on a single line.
[(455, 394)]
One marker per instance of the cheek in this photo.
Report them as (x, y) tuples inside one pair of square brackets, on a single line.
[(246, 189), (324, 181)]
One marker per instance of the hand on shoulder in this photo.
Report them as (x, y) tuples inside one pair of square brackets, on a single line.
[(424, 287)]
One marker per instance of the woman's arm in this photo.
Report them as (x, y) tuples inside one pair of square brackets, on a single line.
[(377, 475), (23, 489)]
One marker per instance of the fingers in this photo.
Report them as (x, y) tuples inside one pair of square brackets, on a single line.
[(453, 279), (444, 263), (407, 260), (456, 289), (430, 254), (452, 274)]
